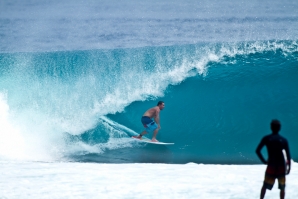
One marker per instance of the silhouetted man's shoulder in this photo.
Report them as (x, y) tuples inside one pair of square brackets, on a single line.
[(266, 138), (274, 137)]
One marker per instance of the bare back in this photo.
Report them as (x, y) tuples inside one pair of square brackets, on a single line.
[(152, 112)]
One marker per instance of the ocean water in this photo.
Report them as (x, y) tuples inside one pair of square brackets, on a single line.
[(76, 78)]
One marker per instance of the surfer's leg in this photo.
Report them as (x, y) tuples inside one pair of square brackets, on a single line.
[(141, 134), (143, 120), (154, 135)]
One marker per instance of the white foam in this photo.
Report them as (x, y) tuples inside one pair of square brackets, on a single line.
[(90, 180), (11, 141), (23, 135)]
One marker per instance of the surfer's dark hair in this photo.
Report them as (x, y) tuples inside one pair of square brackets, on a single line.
[(159, 103), (275, 126)]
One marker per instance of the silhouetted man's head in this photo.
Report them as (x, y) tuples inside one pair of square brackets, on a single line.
[(275, 126)]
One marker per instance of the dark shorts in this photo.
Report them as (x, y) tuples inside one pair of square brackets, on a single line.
[(149, 124), (274, 172)]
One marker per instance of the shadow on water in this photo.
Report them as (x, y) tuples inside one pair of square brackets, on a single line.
[(145, 154)]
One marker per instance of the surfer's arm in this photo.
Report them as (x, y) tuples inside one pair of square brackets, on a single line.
[(156, 118), (258, 151)]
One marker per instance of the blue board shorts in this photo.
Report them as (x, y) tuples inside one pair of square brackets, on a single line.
[(149, 124)]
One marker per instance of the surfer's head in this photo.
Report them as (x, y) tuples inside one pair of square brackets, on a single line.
[(161, 105), (275, 126)]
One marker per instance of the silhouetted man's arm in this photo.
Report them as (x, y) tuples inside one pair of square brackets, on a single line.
[(288, 157), (258, 151)]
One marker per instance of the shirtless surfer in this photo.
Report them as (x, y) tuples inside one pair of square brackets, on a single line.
[(150, 124)]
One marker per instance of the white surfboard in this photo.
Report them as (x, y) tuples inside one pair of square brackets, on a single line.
[(146, 140)]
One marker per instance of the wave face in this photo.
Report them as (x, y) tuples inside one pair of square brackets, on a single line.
[(84, 105)]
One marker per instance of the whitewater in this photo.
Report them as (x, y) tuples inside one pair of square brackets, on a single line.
[(89, 180), (76, 77)]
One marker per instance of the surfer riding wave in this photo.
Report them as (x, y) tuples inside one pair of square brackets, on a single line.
[(150, 124)]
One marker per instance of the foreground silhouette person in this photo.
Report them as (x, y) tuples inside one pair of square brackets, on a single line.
[(277, 166)]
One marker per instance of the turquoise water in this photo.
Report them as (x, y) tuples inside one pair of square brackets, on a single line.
[(83, 105), (75, 78)]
